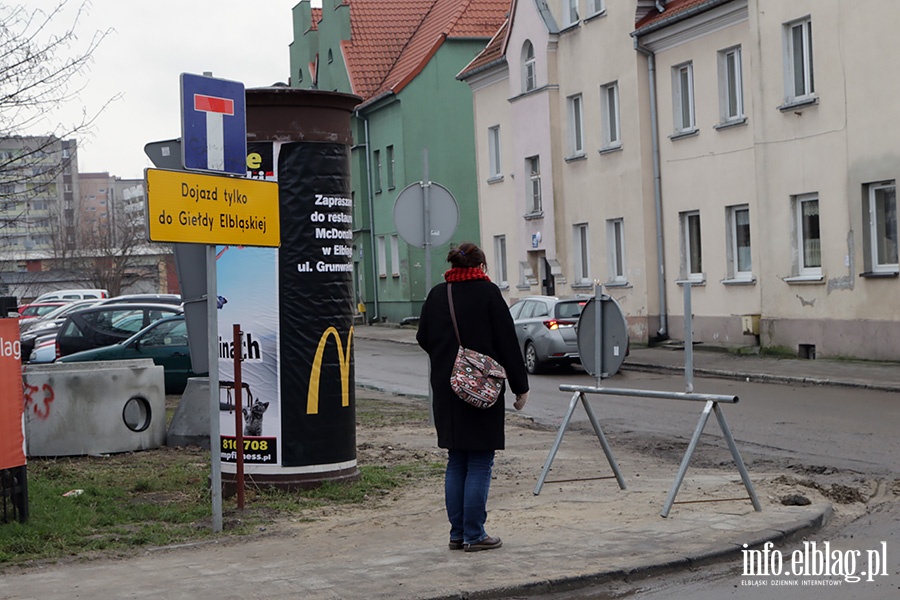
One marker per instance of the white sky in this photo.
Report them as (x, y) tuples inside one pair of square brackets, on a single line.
[(151, 44)]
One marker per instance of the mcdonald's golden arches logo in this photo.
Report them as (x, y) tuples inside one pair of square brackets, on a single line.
[(312, 398)]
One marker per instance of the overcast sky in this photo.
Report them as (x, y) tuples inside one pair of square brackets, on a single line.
[(150, 45)]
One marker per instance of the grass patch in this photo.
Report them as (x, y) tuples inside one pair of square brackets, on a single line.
[(160, 497)]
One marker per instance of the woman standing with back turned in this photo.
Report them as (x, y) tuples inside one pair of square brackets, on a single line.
[(471, 435)]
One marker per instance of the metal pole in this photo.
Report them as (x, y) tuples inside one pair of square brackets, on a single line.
[(238, 351), (688, 340), (556, 443), (745, 476), (426, 187), (215, 441), (598, 332), (595, 423), (701, 424)]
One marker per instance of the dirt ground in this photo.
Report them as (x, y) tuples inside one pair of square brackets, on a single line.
[(581, 474)]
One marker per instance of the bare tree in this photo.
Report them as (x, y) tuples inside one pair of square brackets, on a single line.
[(39, 72), (114, 257)]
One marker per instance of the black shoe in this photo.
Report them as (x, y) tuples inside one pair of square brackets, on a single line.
[(488, 543), (456, 544)]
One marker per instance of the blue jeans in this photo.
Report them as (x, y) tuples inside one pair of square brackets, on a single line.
[(466, 486)]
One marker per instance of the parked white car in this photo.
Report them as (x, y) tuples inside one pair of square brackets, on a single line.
[(80, 294)]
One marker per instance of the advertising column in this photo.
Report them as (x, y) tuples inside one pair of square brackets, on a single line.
[(316, 293), (294, 304)]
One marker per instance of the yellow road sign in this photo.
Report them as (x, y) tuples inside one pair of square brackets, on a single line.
[(196, 208)]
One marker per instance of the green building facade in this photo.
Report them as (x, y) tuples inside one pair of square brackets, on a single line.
[(413, 113)]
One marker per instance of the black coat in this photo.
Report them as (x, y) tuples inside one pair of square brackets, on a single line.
[(486, 326)]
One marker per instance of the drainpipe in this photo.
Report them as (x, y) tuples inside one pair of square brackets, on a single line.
[(370, 201), (663, 332)]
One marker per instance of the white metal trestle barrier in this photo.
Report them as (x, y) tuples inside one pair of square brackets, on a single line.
[(711, 401)]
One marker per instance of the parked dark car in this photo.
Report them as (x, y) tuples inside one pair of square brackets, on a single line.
[(545, 328), (164, 341), (31, 330), (107, 324)]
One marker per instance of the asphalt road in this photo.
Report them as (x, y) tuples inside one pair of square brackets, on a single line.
[(827, 435)]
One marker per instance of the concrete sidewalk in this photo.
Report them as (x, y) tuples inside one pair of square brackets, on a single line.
[(572, 534)]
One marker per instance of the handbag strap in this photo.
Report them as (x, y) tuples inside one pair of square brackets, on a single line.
[(453, 313)]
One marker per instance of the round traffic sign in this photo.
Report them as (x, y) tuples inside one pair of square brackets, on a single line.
[(614, 343), (409, 215)]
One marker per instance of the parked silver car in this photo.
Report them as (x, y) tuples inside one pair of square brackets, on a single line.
[(545, 328)]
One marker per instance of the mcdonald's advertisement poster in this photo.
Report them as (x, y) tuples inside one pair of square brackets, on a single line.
[(246, 289), (12, 424), (315, 270)]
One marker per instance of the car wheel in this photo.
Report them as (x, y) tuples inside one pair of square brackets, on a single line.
[(532, 364)]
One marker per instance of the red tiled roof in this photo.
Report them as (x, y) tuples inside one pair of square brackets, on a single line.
[(391, 42), (492, 53), (316, 17), (379, 30), (674, 9)]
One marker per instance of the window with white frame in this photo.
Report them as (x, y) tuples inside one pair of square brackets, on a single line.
[(615, 251), (691, 251), (798, 60), (390, 167), (395, 255), (609, 104), (380, 255), (580, 253), (882, 217), (533, 165), (376, 171), (595, 7), (571, 12), (740, 263), (807, 236), (731, 87), (683, 97), (576, 128), (529, 73), (500, 275), (494, 152)]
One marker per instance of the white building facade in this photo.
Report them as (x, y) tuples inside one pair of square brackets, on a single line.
[(738, 145)]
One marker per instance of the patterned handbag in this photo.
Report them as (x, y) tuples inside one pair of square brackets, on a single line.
[(476, 378)]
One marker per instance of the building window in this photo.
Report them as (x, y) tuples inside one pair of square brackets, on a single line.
[(731, 88), (529, 75), (330, 56), (609, 104), (494, 151), (798, 59), (615, 240), (500, 275), (380, 256), (692, 255), (571, 7), (809, 247), (595, 7), (683, 96), (581, 252), (882, 217), (534, 184), (576, 129), (740, 264), (390, 167), (376, 171), (395, 255)]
